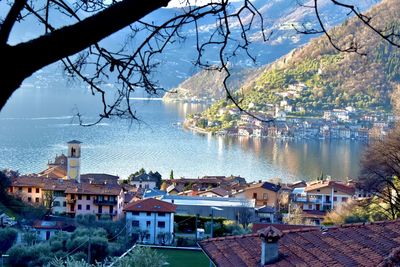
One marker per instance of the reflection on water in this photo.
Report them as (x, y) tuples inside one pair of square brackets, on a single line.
[(118, 147)]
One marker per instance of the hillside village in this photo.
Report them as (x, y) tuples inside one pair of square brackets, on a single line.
[(276, 122), (176, 211)]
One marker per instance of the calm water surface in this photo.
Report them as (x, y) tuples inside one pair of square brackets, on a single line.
[(36, 124)]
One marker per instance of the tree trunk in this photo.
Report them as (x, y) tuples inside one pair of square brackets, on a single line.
[(21, 61)]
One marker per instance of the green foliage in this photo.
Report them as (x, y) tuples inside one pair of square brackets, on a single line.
[(73, 262), (142, 257), (37, 255), (112, 228), (4, 185), (7, 238), (171, 175)]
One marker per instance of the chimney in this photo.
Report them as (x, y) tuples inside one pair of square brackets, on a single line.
[(269, 244)]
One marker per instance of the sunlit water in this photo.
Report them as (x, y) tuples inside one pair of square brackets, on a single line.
[(35, 126)]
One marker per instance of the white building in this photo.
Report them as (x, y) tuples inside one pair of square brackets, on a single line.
[(151, 220), (145, 180), (46, 229)]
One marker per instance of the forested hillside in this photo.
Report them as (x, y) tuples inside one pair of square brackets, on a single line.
[(330, 79)]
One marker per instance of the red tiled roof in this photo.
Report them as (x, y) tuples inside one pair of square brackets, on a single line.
[(282, 227), (349, 245), (150, 204), (68, 186), (217, 190), (95, 189), (349, 189), (313, 214), (38, 224)]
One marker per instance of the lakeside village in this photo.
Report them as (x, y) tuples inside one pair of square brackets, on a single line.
[(280, 122), (249, 218)]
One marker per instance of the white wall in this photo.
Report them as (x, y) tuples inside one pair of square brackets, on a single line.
[(153, 228)]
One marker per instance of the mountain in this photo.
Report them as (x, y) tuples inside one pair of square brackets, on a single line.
[(279, 18), (318, 77), (208, 85)]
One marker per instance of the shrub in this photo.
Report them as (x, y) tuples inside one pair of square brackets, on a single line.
[(7, 238), (142, 257)]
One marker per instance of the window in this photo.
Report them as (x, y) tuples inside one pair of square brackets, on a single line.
[(20, 188), (265, 196), (148, 213), (64, 204), (334, 198), (148, 223), (161, 224), (87, 197), (29, 199), (335, 191), (59, 194), (255, 195), (37, 190), (87, 207), (80, 197), (29, 189), (79, 206), (135, 213), (344, 199), (56, 204), (100, 198), (37, 200), (318, 190), (135, 223), (162, 214)]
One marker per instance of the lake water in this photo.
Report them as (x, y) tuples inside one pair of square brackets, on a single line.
[(37, 122)]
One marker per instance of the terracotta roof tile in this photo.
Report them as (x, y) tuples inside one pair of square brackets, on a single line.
[(349, 245), (151, 205), (349, 189)]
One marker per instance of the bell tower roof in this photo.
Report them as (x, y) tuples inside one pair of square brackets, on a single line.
[(74, 142)]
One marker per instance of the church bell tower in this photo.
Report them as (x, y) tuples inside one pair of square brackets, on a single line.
[(74, 160)]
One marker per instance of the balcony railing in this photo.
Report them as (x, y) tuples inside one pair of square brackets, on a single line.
[(114, 213), (105, 202)]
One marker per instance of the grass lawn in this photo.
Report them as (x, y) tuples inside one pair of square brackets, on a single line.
[(184, 258)]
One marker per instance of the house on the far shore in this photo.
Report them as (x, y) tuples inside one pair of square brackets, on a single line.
[(150, 221)]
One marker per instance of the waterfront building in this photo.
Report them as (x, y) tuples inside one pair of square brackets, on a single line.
[(72, 194)]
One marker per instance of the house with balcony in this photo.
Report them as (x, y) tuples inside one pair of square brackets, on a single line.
[(151, 221), (321, 196), (263, 193), (103, 200)]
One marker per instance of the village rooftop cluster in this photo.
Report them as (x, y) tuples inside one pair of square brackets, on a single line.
[(149, 206)]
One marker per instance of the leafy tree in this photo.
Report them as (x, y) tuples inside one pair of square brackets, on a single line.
[(4, 185)]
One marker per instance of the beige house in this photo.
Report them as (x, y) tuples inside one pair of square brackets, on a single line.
[(264, 194)]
